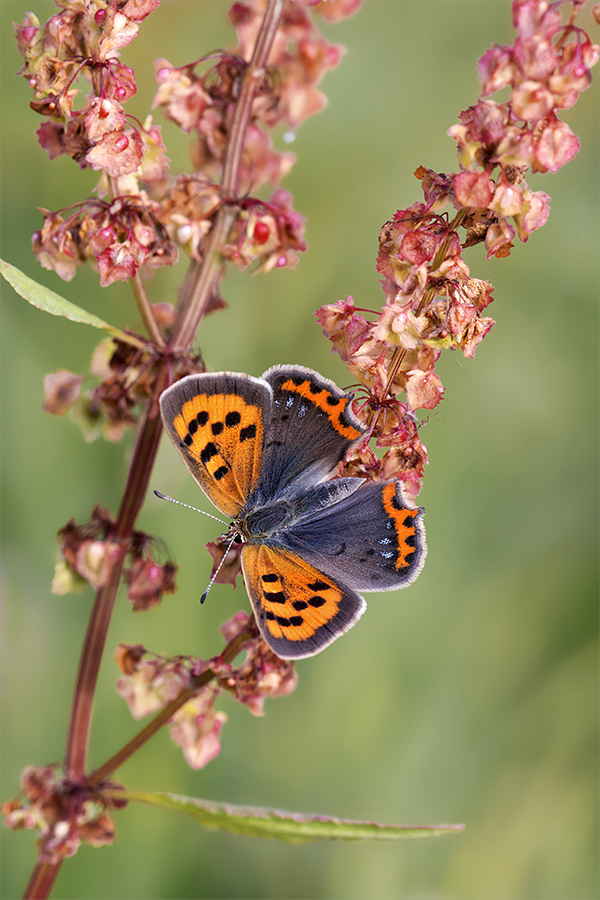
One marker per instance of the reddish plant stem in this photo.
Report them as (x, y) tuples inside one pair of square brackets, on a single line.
[(137, 285), (41, 881), (146, 311), (252, 78), (95, 639)]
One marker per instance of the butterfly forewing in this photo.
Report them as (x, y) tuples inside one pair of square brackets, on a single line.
[(218, 423), (372, 539), (299, 610), (310, 430)]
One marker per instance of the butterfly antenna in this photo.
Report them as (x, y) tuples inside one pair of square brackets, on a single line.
[(165, 497), (217, 570)]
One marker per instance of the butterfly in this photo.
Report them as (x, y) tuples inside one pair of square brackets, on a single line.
[(263, 450)]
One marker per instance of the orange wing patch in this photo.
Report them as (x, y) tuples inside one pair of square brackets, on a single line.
[(223, 435), (404, 523), (298, 608), (333, 407)]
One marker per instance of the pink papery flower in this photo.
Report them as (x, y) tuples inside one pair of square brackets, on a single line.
[(196, 728), (147, 582), (118, 153), (104, 116), (119, 263), (424, 390), (152, 685)]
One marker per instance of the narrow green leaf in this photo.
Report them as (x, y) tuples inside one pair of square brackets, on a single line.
[(294, 828), (52, 303)]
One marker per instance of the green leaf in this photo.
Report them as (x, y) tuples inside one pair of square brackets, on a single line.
[(294, 828), (52, 303)]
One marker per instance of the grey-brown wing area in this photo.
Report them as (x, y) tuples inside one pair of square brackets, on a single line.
[(310, 430)]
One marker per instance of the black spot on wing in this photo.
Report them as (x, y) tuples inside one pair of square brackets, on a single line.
[(208, 452), (318, 586)]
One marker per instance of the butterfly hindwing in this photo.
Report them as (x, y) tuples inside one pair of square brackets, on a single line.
[(218, 423), (299, 610), (310, 430), (372, 538)]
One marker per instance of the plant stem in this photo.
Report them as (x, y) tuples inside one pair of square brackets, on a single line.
[(95, 639), (147, 313), (41, 881)]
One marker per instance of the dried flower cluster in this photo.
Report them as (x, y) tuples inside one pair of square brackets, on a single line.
[(125, 382), (150, 214), (432, 302), (149, 683), (65, 813), (88, 553)]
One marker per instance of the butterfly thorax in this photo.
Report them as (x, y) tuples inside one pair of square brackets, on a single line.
[(262, 522)]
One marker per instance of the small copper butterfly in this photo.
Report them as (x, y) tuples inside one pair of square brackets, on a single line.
[(261, 449)]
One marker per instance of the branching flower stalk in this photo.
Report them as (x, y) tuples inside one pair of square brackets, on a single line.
[(149, 436), (143, 216), (432, 301), (119, 249)]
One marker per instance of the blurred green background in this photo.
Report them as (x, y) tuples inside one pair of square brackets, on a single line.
[(471, 696)]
